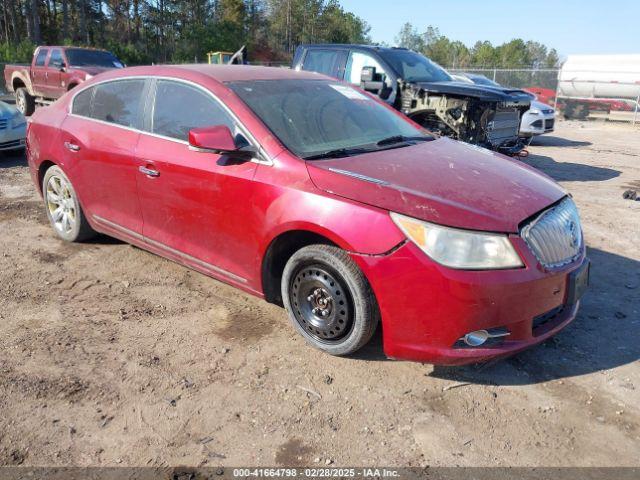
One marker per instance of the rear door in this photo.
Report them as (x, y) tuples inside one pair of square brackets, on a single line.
[(327, 61), (195, 205), (39, 72), (100, 137)]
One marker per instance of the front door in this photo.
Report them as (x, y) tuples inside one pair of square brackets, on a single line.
[(195, 205), (54, 85), (100, 138)]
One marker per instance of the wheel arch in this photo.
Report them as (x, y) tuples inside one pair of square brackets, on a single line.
[(280, 249), (18, 81), (42, 170)]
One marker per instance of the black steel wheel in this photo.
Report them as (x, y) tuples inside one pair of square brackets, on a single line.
[(329, 300), (321, 303)]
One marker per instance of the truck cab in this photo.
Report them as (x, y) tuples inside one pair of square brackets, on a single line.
[(54, 71), (488, 116)]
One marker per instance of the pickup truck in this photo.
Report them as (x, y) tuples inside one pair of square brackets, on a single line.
[(53, 72), (488, 116)]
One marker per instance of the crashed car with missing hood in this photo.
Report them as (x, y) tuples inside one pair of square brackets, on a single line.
[(488, 116)]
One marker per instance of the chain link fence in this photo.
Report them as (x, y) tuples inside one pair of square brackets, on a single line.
[(544, 84)]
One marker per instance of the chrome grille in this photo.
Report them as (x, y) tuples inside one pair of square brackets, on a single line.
[(555, 236), (3, 123)]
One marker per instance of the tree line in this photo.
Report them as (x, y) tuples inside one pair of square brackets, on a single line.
[(454, 54), (145, 31), (161, 31)]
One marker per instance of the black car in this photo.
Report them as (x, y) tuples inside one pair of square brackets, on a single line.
[(484, 115)]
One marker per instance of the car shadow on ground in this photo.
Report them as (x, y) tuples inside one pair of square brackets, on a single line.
[(551, 141), (603, 336), (569, 171), (10, 160)]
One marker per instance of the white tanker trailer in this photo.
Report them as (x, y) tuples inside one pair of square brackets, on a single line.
[(598, 82)]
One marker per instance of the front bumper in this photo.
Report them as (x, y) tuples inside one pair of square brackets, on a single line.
[(426, 308), (537, 124)]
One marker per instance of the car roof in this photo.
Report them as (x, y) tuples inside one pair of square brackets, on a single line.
[(219, 73), (235, 73), (371, 48)]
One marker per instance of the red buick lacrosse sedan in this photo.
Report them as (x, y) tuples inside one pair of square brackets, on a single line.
[(314, 195)]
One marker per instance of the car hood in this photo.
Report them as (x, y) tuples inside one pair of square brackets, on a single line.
[(481, 92), (6, 110), (442, 181), (539, 105)]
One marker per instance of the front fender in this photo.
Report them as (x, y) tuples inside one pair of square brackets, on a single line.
[(353, 227)]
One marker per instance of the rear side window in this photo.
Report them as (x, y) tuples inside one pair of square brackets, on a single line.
[(82, 103), (180, 107), (42, 56), (322, 61), (118, 102)]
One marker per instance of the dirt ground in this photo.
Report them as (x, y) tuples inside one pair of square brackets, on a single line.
[(110, 355)]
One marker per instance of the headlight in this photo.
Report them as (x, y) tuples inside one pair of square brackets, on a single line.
[(88, 77), (462, 249), (535, 111)]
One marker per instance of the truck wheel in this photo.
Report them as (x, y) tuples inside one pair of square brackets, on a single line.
[(25, 103), (329, 300)]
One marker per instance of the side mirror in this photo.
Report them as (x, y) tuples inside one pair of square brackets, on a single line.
[(368, 74), (371, 81), (218, 139)]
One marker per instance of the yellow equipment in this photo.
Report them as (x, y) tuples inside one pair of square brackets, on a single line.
[(220, 58)]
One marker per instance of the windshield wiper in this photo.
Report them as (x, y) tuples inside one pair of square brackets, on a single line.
[(403, 139), (337, 153)]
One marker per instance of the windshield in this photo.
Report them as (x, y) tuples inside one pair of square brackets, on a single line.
[(315, 118), (79, 57), (482, 80), (413, 67)]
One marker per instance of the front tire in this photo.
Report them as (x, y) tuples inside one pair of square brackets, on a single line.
[(63, 208), (25, 103), (328, 299)]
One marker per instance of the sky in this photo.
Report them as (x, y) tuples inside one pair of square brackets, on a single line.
[(569, 26)]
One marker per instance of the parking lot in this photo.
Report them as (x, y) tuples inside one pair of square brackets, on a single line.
[(110, 355)]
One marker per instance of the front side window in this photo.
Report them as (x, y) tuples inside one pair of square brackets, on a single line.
[(42, 56), (357, 61), (313, 117), (118, 102), (180, 107), (321, 61), (55, 59)]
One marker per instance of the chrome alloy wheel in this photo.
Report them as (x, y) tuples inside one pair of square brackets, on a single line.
[(61, 204)]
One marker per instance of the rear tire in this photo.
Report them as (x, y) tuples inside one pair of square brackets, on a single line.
[(63, 208), (25, 103), (329, 300)]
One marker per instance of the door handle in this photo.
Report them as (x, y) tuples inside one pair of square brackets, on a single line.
[(72, 146), (149, 172)]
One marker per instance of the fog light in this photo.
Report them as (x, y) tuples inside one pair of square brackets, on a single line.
[(477, 338)]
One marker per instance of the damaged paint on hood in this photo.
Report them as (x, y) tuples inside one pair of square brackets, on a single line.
[(443, 181)]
